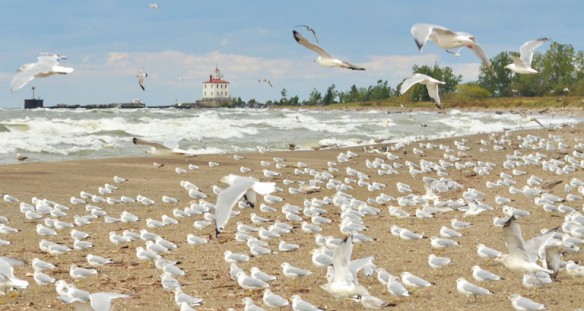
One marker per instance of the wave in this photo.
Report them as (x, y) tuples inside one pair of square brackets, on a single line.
[(58, 134)]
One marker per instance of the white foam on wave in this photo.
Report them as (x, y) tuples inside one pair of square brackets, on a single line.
[(53, 134)]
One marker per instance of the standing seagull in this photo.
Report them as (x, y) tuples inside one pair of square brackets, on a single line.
[(522, 65), (308, 28), (448, 39), (431, 85), (239, 187), (46, 66), (141, 75), (324, 58)]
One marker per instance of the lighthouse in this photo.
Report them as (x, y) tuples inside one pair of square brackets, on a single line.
[(216, 91)]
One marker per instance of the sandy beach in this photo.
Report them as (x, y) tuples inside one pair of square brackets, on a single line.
[(207, 274)]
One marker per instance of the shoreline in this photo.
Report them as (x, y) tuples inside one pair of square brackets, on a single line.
[(207, 274)]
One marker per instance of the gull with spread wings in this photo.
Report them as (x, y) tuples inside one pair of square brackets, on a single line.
[(162, 149), (46, 66), (518, 259), (141, 75), (239, 187), (431, 85), (522, 64), (324, 58), (448, 40)]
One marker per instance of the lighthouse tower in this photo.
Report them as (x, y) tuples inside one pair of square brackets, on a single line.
[(216, 89)]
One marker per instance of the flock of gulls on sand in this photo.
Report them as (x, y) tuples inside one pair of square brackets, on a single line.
[(539, 260), (451, 41)]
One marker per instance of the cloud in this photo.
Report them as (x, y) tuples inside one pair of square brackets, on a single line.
[(469, 71), (395, 68), (115, 57)]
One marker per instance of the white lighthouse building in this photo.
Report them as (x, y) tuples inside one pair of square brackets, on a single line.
[(216, 89)]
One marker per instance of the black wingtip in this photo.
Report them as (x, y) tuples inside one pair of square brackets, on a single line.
[(134, 140), (509, 221), (217, 232), (419, 45), (296, 34)]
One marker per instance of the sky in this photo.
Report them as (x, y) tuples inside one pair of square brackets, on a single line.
[(179, 44)]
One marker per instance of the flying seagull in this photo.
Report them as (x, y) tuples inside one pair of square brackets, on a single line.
[(324, 58), (266, 80), (448, 40), (46, 66), (518, 259), (343, 279), (162, 149), (141, 75), (239, 187), (97, 301), (431, 85), (308, 28), (522, 64)]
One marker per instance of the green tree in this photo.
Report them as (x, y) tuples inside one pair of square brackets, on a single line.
[(557, 66), (471, 91), (498, 84), (329, 96), (314, 98)]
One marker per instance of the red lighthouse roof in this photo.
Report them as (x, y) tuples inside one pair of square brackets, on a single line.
[(216, 77)]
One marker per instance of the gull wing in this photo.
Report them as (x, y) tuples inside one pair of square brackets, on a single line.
[(26, 75), (433, 93), (341, 258), (308, 28), (422, 32), (351, 66), (356, 265), (416, 78), (309, 45), (78, 304), (514, 240), (527, 49), (141, 83), (533, 245), (102, 301), (518, 61), (11, 261), (227, 198), (160, 148), (553, 260), (478, 50)]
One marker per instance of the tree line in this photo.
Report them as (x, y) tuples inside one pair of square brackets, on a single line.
[(560, 72)]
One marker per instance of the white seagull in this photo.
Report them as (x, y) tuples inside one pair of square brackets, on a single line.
[(162, 149), (517, 260), (324, 58), (469, 289), (430, 83), (521, 303), (522, 64), (141, 75), (239, 187), (97, 301), (448, 39), (344, 282), (46, 66)]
